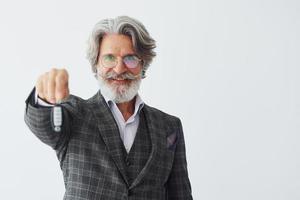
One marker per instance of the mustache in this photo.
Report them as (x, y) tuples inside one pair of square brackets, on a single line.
[(124, 76)]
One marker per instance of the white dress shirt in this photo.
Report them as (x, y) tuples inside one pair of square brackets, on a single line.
[(127, 128)]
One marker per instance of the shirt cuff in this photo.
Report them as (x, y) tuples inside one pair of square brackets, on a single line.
[(41, 102)]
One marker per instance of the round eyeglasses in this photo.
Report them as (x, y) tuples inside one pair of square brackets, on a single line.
[(130, 61)]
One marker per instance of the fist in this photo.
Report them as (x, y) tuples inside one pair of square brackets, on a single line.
[(53, 86)]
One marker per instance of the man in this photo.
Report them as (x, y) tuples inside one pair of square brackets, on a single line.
[(112, 146)]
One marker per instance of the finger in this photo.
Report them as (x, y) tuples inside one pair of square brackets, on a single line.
[(61, 89), (39, 87), (51, 86), (45, 87)]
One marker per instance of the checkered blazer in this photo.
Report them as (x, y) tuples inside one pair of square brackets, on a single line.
[(88, 149)]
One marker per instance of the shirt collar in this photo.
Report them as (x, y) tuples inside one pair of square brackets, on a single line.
[(139, 103)]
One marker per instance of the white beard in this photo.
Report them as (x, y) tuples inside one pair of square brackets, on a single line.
[(119, 93)]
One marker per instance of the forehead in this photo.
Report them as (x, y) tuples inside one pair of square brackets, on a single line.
[(116, 44)]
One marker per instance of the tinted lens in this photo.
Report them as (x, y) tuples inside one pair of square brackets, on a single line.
[(109, 60), (131, 61)]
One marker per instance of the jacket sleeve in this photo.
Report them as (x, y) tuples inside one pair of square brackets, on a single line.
[(38, 119), (178, 184)]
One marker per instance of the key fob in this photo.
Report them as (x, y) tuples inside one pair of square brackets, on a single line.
[(57, 118)]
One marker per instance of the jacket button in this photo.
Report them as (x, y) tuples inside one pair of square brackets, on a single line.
[(128, 163)]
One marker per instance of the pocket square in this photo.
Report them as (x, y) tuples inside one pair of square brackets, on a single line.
[(172, 140)]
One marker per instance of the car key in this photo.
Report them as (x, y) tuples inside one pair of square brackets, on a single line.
[(57, 117)]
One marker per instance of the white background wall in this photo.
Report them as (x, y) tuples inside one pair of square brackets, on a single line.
[(229, 69)]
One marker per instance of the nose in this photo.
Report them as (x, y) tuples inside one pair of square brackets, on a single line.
[(120, 67)]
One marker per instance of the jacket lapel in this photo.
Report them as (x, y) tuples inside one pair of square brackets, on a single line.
[(109, 131), (153, 128)]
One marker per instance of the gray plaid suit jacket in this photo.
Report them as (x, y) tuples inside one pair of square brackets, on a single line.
[(88, 149)]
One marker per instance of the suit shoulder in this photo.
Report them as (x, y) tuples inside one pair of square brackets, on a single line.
[(161, 115)]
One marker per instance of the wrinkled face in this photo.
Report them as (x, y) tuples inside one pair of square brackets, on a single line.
[(121, 82)]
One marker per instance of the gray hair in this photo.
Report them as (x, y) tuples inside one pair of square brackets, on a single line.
[(143, 44)]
